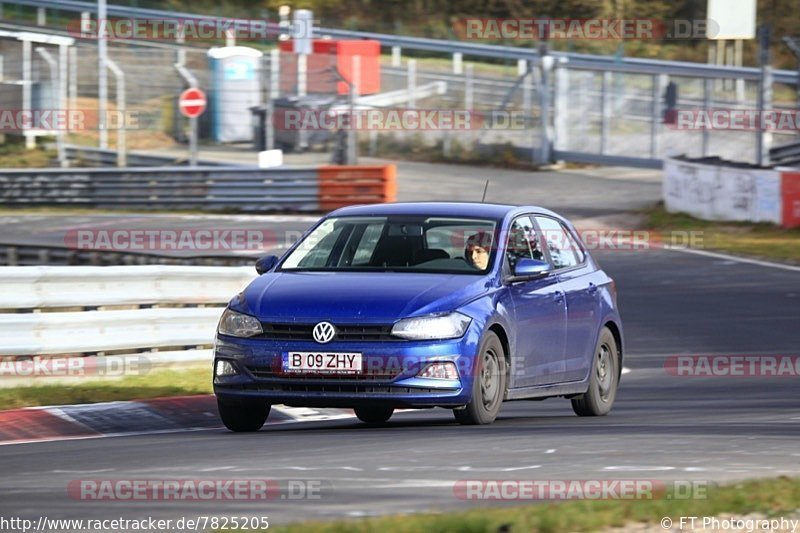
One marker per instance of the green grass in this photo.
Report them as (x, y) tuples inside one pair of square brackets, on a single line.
[(156, 384), (13, 154), (771, 497), (739, 238)]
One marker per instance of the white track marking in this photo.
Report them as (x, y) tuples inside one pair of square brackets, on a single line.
[(736, 259)]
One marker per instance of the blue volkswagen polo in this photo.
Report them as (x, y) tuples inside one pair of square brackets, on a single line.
[(419, 305)]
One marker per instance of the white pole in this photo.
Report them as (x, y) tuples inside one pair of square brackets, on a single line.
[(102, 74), (30, 142)]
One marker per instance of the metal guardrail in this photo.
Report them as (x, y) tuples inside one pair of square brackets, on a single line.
[(15, 254), (242, 188), (85, 286), (587, 61), (108, 158), (62, 330)]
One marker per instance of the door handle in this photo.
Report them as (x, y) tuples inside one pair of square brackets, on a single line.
[(592, 288), (558, 296)]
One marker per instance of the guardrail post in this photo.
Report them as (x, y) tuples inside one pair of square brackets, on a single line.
[(41, 16), (458, 63), (86, 22), (396, 51), (122, 152), (605, 106), (412, 83)]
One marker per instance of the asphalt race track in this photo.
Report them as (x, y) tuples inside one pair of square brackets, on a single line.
[(663, 427)]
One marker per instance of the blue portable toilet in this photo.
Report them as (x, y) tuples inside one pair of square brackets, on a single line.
[(235, 88)]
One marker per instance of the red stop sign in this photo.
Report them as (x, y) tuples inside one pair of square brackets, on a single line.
[(192, 102)]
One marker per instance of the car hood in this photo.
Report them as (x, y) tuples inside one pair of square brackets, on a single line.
[(372, 297)]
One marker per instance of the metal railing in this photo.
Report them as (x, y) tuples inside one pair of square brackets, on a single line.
[(140, 317), (242, 188)]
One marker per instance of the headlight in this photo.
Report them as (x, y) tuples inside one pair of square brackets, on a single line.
[(450, 326), (238, 324)]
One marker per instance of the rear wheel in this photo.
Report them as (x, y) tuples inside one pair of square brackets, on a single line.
[(243, 416), (374, 415), (604, 380), (488, 386)]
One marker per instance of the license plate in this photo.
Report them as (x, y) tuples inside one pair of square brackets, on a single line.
[(322, 363)]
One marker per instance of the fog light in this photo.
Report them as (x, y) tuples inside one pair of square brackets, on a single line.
[(224, 368), (440, 371)]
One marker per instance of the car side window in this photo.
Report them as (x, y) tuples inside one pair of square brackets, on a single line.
[(522, 242), (564, 251)]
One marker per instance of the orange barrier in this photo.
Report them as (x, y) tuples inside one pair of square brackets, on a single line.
[(349, 185)]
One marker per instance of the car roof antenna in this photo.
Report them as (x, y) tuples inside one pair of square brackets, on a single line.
[(485, 188)]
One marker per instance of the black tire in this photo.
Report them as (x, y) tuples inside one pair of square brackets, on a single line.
[(374, 415), (488, 385), (603, 381), (243, 416)]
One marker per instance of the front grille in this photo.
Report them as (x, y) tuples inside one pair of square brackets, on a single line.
[(348, 388), (369, 374), (303, 332)]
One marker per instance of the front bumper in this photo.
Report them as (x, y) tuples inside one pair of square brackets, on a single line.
[(389, 374)]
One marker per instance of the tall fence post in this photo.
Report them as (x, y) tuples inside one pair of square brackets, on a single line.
[(707, 94), (102, 74), (763, 137), (73, 76), (561, 107), (605, 117), (355, 89), (412, 83), (189, 78), (546, 149), (660, 82), (56, 92), (30, 142), (122, 149)]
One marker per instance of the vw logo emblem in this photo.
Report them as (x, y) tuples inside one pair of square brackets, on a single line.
[(324, 332)]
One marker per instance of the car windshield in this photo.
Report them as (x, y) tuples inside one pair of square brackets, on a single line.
[(407, 244)]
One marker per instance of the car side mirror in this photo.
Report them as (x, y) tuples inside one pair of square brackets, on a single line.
[(527, 269), (265, 264)]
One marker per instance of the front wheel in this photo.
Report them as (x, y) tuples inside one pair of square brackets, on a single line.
[(604, 380), (374, 415), (243, 416), (488, 384)]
